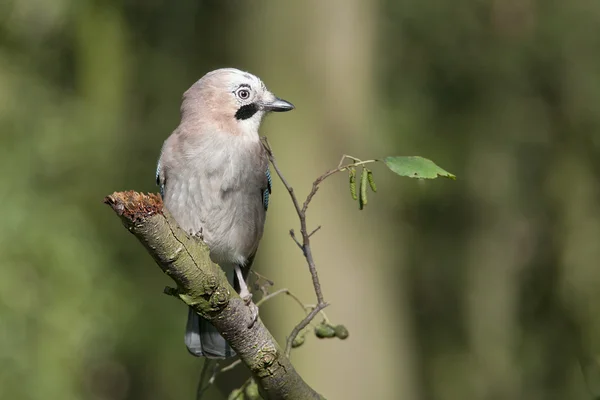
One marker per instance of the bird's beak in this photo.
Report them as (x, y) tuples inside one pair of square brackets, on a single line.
[(278, 105)]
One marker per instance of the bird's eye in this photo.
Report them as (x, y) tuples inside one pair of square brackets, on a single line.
[(243, 94)]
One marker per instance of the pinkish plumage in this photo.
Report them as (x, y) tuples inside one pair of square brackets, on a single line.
[(212, 173)]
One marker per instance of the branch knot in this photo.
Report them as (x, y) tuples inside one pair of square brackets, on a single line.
[(219, 298), (265, 359)]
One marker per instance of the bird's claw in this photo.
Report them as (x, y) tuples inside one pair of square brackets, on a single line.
[(253, 313), (246, 295), (197, 234), (253, 309)]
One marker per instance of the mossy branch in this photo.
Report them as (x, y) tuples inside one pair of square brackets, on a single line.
[(202, 285)]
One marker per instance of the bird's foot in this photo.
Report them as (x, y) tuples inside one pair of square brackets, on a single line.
[(197, 234), (247, 297)]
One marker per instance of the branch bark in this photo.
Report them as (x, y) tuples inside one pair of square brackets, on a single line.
[(202, 285)]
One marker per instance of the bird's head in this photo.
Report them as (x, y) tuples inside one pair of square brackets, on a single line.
[(234, 100)]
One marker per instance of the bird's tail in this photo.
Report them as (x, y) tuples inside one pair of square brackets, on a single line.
[(201, 337), (203, 340)]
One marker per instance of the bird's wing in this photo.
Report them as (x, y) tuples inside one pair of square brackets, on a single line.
[(267, 191), (160, 179)]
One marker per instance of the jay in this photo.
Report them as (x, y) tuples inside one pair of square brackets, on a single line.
[(214, 178)]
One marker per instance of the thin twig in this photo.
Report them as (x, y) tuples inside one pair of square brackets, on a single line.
[(312, 306), (303, 324), (216, 372), (304, 307), (304, 245), (283, 180), (230, 366), (205, 367), (302, 216), (356, 162), (260, 276), (277, 293), (314, 231), (293, 235), (262, 283)]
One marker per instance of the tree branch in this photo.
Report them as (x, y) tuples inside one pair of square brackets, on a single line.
[(202, 285), (305, 244)]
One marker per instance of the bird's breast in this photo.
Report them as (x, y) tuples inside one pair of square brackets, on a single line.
[(219, 193)]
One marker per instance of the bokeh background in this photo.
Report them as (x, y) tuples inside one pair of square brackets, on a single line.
[(483, 288)]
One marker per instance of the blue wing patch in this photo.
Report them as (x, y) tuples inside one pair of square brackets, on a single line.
[(160, 184), (267, 191)]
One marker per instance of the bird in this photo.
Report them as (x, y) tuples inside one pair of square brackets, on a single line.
[(214, 178)]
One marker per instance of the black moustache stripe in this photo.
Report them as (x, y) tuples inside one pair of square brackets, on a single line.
[(246, 111)]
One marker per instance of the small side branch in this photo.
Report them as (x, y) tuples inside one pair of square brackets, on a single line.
[(210, 365), (277, 293), (303, 324), (293, 235), (301, 211), (304, 245), (314, 231)]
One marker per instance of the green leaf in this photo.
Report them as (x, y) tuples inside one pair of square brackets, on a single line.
[(416, 167)]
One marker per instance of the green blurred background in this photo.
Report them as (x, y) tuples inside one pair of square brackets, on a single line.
[(483, 288)]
